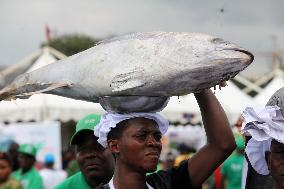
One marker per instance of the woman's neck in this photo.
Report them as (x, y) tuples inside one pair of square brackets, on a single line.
[(125, 178)]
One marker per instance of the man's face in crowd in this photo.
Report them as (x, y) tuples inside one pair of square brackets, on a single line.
[(5, 170), (26, 161), (276, 162), (140, 144), (94, 161)]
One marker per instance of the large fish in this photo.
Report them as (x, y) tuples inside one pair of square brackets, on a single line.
[(152, 64)]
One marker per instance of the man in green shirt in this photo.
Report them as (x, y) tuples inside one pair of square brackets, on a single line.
[(233, 166), (27, 174), (95, 162)]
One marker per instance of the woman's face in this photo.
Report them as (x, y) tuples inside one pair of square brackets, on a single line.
[(140, 145), (276, 162), (5, 170)]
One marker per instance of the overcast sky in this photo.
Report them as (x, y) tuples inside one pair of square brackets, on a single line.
[(249, 23)]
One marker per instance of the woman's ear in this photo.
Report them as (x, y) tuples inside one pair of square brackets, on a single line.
[(268, 159), (113, 146)]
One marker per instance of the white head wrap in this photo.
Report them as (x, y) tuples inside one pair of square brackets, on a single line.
[(263, 124), (110, 120)]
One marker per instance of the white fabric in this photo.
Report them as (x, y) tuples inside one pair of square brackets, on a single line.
[(110, 120), (52, 177), (263, 124), (255, 151), (111, 186)]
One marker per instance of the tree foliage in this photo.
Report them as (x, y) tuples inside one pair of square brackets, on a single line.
[(72, 43)]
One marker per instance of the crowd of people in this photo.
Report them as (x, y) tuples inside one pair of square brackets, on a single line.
[(121, 151), (18, 169)]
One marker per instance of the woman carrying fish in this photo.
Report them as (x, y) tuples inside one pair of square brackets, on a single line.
[(135, 140), (150, 64)]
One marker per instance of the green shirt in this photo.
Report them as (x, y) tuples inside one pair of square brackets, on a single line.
[(30, 179), (232, 170), (11, 183), (74, 182)]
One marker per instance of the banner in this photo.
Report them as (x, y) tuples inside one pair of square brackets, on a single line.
[(46, 136)]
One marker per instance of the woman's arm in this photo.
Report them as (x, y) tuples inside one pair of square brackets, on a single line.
[(220, 139)]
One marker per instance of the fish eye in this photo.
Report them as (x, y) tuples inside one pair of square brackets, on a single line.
[(218, 41)]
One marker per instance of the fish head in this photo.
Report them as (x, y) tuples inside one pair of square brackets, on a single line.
[(220, 56), (206, 61), (225, 51)]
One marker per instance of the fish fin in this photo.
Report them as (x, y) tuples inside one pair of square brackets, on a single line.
[(49, 88), (12, 92), (128, 80)]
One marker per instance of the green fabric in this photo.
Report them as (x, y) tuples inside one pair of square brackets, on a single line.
[(232, 171), (86, 123), (240, 142), (72, 168), (11, 183), (76, 181), (28, 149), (30, 180)]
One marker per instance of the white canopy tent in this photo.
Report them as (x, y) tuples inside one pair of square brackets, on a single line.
[(40, 57), (178, 107), (276, 83), (45, 107), (43, 60), (234, 101)]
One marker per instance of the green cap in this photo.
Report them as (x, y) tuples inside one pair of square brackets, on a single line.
[(28, 149), (87, 123), (240, 143)]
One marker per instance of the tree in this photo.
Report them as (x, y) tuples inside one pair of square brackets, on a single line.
[(72, 43)]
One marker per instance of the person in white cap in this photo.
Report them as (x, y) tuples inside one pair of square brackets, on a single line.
[(265, 149), (135, 141)]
